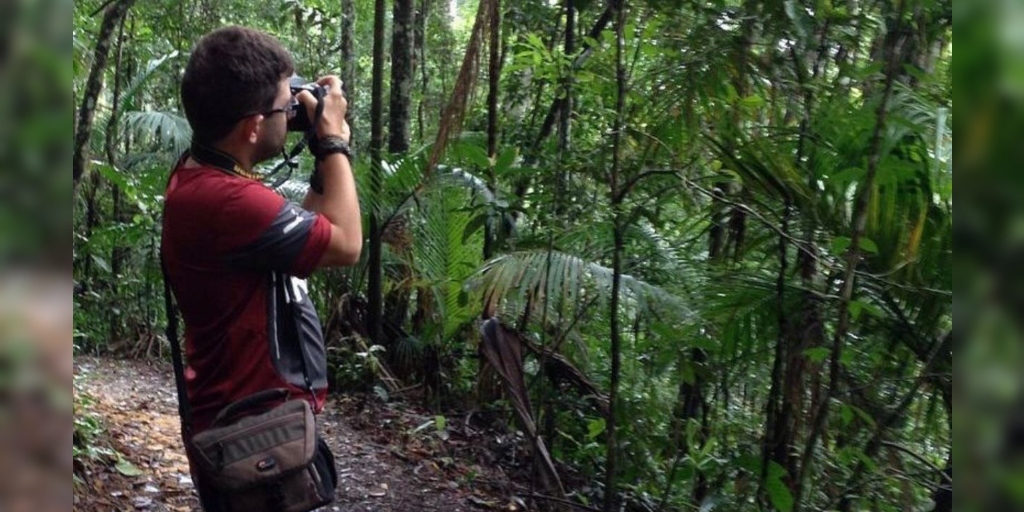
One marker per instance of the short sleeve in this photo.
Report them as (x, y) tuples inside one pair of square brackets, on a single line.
[(263, 231)]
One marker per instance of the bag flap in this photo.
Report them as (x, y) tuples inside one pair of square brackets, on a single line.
[(258, 448)]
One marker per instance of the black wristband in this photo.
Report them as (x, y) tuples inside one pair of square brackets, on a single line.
[(327, 146)]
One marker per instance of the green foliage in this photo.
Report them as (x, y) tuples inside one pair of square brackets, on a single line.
[(86, 445), (778, 493), (443, 258)]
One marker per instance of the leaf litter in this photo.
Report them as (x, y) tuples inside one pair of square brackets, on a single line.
[(385, 460)]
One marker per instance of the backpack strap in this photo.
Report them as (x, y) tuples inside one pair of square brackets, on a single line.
[(184, 411)]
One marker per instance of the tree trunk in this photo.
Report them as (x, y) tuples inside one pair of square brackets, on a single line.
[(375, 297), (611, 497), (395, 306), (565, 113), (455, 110), (118, 254), (348, 57), (570, 48), (92, 219), (401, 75), (493, 76), (420, 64), (93, 87), (943, 495)]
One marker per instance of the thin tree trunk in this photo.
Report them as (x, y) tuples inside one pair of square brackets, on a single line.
[(943, 495), (493, 76), (115, 112), (375, 297), (570, 48), (117, 252), (611, 461), (565, 112), (403, 15), (93, 87), (778, 427), (690, 402), (420, 50), (92, 219), (348, 57)]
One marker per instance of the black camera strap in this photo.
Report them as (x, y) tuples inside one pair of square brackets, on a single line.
[(218, 159), (288, 159)]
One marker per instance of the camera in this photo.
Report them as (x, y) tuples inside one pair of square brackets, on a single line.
[(301, 122)]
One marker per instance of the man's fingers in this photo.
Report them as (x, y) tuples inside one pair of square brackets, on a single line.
[(305, 97), (331, 82)]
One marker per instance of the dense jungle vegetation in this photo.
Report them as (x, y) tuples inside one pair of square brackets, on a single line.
[(717, 233)]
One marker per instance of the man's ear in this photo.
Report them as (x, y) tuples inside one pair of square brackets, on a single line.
[(251, 127)]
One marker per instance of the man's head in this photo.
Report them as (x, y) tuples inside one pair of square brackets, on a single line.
[(235, 84)]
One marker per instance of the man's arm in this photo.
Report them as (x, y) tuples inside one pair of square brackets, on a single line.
[(339, 202)]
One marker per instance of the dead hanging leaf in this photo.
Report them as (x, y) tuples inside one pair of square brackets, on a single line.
[(126, 468)]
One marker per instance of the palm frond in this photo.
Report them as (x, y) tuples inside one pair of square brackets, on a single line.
[(567, 279), (127, 100), (442, 256), (764, 168), (167, 133)]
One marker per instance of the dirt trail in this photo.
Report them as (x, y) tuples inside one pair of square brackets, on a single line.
[(386, 465)]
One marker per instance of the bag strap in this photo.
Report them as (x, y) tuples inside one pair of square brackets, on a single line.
[(184, 412), (267, 395), (296, 310)]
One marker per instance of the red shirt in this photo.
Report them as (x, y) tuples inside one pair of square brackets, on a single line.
[(237, 255)]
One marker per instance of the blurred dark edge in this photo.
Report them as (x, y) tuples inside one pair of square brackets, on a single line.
[(35, 255), (988, 424), (35, 135)]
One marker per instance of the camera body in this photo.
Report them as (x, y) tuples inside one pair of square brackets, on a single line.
[(301, 122)]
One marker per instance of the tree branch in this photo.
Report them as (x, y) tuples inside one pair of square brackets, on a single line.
[(587, 47), (93, 87)]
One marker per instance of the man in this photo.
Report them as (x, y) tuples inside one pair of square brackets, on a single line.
[(236, 253)]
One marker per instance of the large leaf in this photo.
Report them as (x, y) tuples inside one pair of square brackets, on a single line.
[(570, 280), (167, 131), (442, 256), (128, 99)]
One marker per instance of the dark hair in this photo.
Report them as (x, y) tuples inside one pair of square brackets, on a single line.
[(233, 72)]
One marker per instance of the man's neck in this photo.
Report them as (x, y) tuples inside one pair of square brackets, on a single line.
[(230, 150), (240, 156)]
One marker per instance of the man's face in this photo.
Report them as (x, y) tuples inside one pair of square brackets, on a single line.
[(274, 129)]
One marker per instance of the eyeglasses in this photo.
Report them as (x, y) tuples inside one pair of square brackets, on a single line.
[(290, 110)]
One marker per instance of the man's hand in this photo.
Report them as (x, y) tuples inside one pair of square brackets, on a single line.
[(332, 121)]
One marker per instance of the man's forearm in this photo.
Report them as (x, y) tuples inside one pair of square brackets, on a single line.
[(339, 202)]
